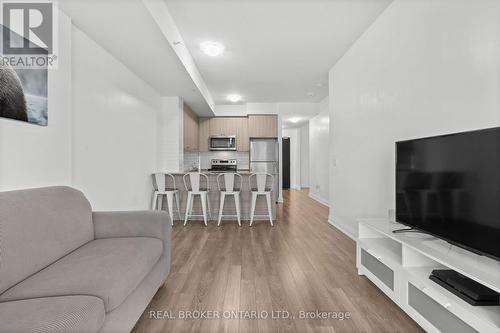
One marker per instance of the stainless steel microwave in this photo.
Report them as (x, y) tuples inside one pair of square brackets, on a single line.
[(222, 142)]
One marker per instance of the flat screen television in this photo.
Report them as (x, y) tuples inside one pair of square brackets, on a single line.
[(449, 186)]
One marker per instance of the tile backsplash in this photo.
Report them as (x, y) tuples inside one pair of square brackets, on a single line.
[(191, 159)]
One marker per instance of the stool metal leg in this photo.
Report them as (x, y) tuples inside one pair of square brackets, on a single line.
[(191, 204), (209, 207), (221, 206), (170, 204), (178, 206), (254, 200), (154, 205), (160, 201), (204, 207), (188, 207), (269, 208), (237, 205)]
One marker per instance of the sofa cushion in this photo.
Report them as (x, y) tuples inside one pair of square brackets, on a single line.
[(106, 268), (39, 226), (77, 313)]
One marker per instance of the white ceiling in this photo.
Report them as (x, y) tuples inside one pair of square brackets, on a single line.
[(126, 29), (276, 50), (295, 115)]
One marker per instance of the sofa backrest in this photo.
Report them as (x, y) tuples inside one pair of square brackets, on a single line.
[(39, 226)]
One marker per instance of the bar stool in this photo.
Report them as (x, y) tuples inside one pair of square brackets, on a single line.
[(161, 189), (196, 189), (261, 189), (229, 188)]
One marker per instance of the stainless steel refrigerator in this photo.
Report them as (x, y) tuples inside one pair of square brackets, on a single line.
[(264, 156)]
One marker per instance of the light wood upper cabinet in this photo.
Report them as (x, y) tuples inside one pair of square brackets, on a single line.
[(259, 126), (222, 126), (242, 138), (191, 130), (263, 126), (228, 126), (204, 134), (217, 126)]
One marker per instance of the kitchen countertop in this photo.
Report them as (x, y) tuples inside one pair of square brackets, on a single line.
[(208, 172), (229, 206)]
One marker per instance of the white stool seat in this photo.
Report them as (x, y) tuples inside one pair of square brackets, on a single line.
[(193, 190), (261, 192), (229, 188), (162, 188), (261, 180), (166, 191), (230, 191)]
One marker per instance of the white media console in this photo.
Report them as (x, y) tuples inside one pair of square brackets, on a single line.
[(400, 265)]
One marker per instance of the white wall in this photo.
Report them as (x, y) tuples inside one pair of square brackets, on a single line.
[(114, 135), (299, 156), (304, 155), (103, 131), (423, 68), (170, 132), (295, 149), (319, 143), (35, 156)]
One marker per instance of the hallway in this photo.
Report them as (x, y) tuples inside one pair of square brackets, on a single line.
[(300, 264)]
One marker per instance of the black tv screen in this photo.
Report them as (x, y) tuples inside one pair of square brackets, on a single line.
[(449, 186)]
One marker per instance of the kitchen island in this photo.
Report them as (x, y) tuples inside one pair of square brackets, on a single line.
[(229, 206)]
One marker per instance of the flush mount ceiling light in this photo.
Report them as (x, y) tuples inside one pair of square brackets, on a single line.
[(234, 98), (294, 120), (211, 48)]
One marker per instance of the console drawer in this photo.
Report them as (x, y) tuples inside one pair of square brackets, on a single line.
[(377, 268), (435, 313)]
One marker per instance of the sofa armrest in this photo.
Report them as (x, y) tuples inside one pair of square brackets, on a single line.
[(155, 224)]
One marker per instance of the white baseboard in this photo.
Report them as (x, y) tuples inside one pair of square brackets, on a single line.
[(319, 199), (344, 227)]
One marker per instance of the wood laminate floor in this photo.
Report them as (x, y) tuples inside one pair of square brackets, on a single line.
[(300, 264)]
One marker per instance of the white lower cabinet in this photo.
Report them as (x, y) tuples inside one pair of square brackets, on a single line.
[(384, 273), (400, 265), (435, 313)]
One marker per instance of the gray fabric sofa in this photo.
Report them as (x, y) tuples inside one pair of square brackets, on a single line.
[(64, 268)]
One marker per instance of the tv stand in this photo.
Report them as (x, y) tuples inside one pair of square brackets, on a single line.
[(400, 266)]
